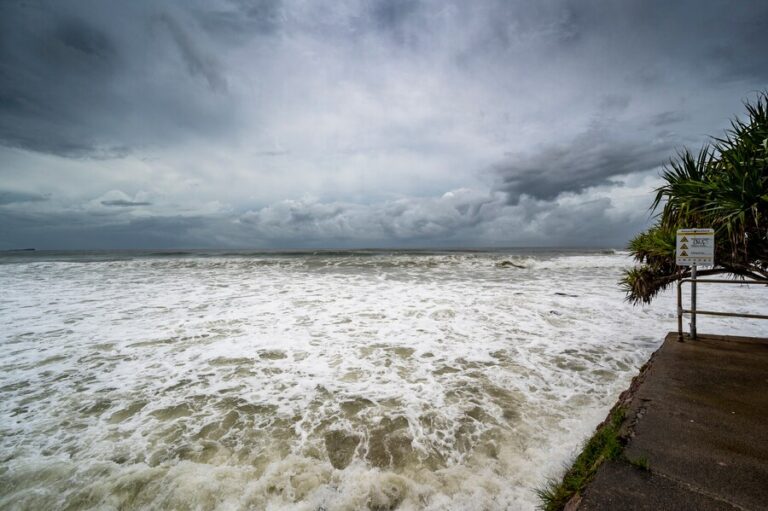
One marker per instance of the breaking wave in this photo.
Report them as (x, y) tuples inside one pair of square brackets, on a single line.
[(328, 381)]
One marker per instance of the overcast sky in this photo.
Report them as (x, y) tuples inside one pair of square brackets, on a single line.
[(288, 124)]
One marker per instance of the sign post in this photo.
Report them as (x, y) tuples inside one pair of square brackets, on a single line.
[(694, 247)]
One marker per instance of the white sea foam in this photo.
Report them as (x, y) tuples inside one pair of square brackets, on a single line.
[(329, 381)]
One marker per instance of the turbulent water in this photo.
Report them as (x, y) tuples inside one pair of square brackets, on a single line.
[(328, 381)]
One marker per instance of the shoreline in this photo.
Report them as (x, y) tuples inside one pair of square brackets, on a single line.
[(565, 493), (690, 432)]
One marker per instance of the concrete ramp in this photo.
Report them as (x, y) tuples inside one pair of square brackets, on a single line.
[(699, 419)]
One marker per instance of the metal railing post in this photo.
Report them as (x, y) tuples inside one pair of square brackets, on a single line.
[(680, 310), (693, 301)]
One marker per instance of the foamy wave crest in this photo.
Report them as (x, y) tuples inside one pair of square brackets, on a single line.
[(301, 381)]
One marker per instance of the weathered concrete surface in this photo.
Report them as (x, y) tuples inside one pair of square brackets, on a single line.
[(619, 485), (699, 416)]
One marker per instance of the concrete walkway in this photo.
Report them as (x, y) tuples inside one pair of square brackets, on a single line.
[(699, 417)]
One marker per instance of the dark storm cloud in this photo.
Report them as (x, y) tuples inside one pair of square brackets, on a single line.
[(63, 66), (45, 67), (390, 16), (240, 20), (230, 110), (11, 197), (391, 13), (614, 102), (650, 44), (75, 42), (589, 160), (715, 40), (75, 82), (453, 220), (668, 117), (74, 230), (197, 62), (453, 216), (124, 203)]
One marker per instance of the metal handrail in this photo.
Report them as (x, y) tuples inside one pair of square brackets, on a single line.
[(693, 311)]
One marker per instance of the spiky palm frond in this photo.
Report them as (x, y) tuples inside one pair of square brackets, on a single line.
[(724, 186)]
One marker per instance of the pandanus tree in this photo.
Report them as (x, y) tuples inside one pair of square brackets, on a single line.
[(725, 187)]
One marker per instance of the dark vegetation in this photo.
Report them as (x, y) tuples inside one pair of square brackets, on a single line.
[(724, 187), (605, 444)]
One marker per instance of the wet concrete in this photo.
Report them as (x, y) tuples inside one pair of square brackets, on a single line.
[(699, 419)]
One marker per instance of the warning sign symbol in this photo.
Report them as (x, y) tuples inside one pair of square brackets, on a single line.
[(695, 246)]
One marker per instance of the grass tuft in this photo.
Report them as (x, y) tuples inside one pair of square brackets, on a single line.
[(605, 444), (641, 463)]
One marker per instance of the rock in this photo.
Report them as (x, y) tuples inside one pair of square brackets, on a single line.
[(509, 264)]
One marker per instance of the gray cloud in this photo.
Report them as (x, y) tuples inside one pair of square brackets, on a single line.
[(239, 20), (458, 218), (80, 44), (234, 113), (588, 160), (11, 197), (124, 203), (77, 231), (75, 83), (614, 102), (392, 18), (667, 118), (718, 39), (197, 62)]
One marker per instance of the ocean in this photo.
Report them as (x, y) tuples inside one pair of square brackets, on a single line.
[(315, 380)]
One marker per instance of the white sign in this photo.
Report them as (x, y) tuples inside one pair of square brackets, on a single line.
[(695, 246)]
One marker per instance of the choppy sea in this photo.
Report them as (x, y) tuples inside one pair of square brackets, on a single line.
[(314, 381)]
